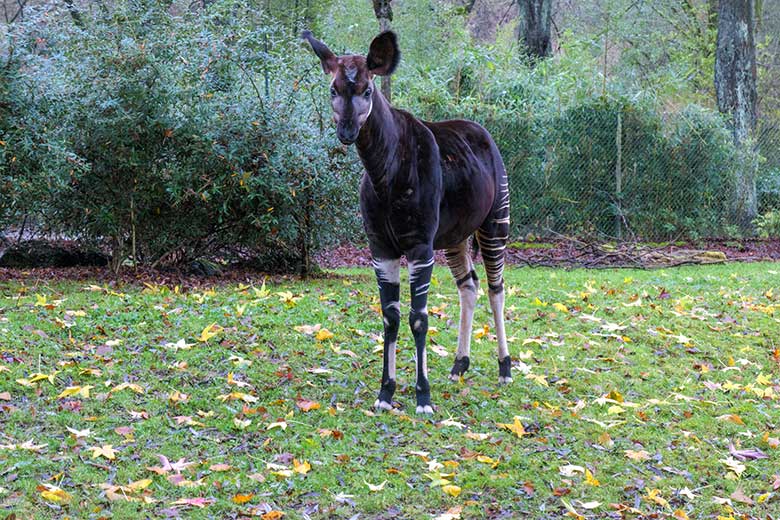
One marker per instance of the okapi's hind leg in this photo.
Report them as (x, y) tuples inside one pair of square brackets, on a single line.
[(462, 269), (388, 277), (492, 237)]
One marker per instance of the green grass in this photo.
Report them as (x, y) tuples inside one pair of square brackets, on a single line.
[(683, 349)]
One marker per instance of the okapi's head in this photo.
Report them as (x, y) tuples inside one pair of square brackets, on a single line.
[(352, 87)]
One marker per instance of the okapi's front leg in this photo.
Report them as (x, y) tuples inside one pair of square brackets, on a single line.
[(388, 278), (420, 269)]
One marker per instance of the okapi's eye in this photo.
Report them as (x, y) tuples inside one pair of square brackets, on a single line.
[(333, 92), (367, 93)]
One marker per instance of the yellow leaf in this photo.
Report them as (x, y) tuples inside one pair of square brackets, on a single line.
[(680, 515), (107, 451), (243, 498), (487, 460), (734, 467), (272, 515), (262, 292), (209, 332), (83, 391), (377, 487), (614, 410), (637, 456), (590, 479), (132, 386), (615, 395), (238, 396), (482, 333), (54, 494), (516, 427), (560, 307), (140, 485), (37, 376), (539, 379), (323, 334), (654, 495), (301, 467), (451, 490)]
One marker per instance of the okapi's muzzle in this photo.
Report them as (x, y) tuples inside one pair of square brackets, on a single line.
[(347, 132)]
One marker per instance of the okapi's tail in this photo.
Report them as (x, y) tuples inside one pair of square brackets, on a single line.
[(474, 247)]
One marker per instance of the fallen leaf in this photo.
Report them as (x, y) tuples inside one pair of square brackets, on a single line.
[(323, 334), (590, 479), (739, 496), (377, 487), (306, 405), (209, 332), (199, 502), (243, 498), (451, 490), (569, 470), (301, 467), (53, 493), (107, 451), (637, 456), (515, 427)]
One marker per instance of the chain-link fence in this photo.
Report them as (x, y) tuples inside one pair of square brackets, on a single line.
[(617, 171)]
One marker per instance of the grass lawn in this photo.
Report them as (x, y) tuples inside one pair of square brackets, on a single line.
[(635, 392)]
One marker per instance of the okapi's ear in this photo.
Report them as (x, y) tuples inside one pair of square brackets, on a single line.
[(326, 56), (383, 54)]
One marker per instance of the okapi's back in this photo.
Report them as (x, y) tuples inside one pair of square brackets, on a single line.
[(472, 171)]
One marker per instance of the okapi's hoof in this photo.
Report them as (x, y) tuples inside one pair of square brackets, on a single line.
[(382, 405), (385, 399), (505, 370), (427, 409), (459, 368)]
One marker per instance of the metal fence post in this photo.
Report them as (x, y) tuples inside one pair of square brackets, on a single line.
[(619, 177)]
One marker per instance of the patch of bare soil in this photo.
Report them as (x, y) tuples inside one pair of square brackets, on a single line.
[(577, 253)]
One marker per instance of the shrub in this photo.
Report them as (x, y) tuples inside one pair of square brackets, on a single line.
[(169, 142), (768, 224)]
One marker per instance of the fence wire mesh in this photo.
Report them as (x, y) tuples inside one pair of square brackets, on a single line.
[(613, 171)]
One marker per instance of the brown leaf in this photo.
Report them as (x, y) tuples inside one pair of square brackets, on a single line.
[(306, 405), (740, 496)]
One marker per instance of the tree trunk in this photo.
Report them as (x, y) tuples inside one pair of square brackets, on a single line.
[(384, 14), (535, 22), (735, 88)]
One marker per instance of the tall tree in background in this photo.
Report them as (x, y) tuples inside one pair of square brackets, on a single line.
[(384, 14), (535, 22), (735, 88)]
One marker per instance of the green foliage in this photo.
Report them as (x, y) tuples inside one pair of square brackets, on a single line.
[(768, 224), (170, 144)]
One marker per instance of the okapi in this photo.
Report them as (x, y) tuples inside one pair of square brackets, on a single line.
[(426, 186)]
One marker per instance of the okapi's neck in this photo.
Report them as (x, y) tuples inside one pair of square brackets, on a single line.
[(378, 141)]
